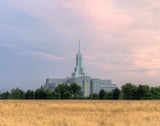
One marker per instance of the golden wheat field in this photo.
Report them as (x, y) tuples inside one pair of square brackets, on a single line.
[(79, 113)]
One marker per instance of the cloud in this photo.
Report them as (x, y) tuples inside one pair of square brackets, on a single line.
[(45, 56), (85, 15), (120, 37), (6, 45)]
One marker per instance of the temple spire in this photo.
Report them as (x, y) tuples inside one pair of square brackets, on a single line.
[(78, 70), (79, 45)]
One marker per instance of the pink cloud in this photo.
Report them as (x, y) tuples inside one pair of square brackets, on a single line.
[(93, 15), (121, 40), (42, 55)]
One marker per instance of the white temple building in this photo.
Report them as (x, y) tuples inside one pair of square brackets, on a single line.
[(88, 85)]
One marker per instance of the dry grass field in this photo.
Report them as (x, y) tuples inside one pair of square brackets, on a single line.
[(79, 113)]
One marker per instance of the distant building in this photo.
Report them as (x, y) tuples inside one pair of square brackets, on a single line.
[(88, 85)]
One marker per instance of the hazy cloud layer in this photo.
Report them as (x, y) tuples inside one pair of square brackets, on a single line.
[(120, 39), (42, 55)]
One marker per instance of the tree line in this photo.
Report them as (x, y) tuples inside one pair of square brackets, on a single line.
[(63, 91)]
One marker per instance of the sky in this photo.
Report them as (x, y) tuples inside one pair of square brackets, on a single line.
[(120, 40)]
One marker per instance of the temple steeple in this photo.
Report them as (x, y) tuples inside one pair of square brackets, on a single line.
[(78, 70), (79, 45)]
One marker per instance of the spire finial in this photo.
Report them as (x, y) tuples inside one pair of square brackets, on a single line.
[(79, 44)]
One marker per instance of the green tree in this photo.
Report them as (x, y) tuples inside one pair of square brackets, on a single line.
[(5, 95), (30, 94), (17, 94), (101, 94), (49, 94), (61, 89), (40, 93), (116, 93), (56, 95), (94, 96), (75, 90), (144, 92), (155, 92), (129, 91), (66, 91), (67, 95), (121, 96), (108, 95)]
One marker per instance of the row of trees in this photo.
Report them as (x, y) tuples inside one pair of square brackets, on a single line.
[(132, 92), (63, 91), (141, 92)]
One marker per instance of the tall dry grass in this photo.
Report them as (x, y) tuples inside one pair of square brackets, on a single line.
[(79, 113)]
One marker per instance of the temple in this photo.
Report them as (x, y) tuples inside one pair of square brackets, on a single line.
[(88, 85)]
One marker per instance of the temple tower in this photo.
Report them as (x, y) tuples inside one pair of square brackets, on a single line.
[(78, 70)]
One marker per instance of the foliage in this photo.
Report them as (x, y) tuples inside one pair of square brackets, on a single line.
[(17, 94), (108, 95), (5, 95), (120, 96), (155, 92), (144, 92), (56, 95), (101, 94), (61, 89), (49, 94), (94, 96), (129, 91), (40, 93), (30, 94), (67, 92), (64, 91), (75, 90), (67, 95), (116, 93)]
